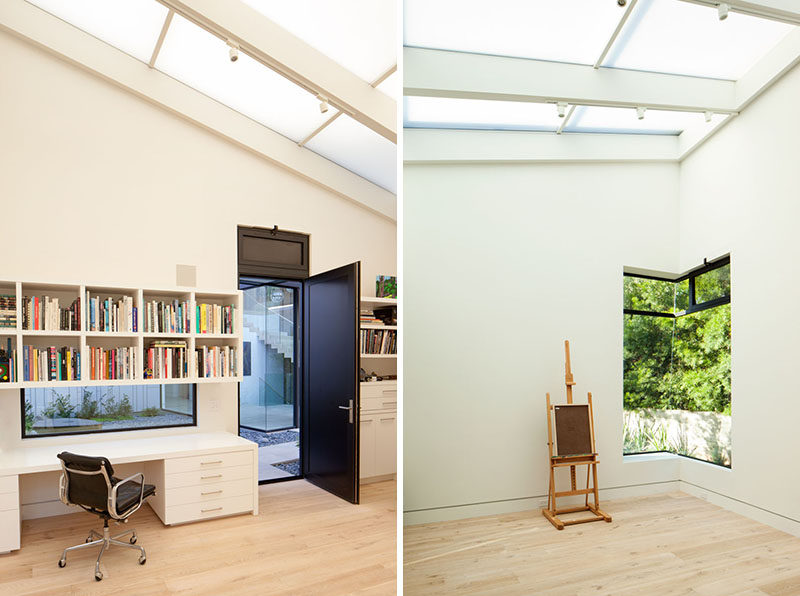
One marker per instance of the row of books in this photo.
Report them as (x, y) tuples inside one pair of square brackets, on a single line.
[(378, 341), (46, 313), (167, 317), (8, 310), (112, 315), (216, 361), (367, 317), (166, 360), (51, 364), (113, 363), (214, 318)]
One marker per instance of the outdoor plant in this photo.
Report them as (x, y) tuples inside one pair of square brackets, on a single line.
[(29, 417), (90, 408), (115, 411), (60, 407), (149, 412)]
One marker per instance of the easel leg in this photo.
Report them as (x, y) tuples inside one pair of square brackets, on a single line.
[(596, 508), (587, 486)]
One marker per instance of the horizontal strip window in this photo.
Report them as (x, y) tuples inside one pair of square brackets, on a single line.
[(48, 412)]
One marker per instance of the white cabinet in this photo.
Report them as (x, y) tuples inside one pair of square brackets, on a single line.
[(9, 513), (378, 429)]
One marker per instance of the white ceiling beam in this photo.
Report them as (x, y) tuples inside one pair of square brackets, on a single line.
[(691, 138), (161, 37), (767, 71), (440, 73), (89, 53), (439, 146), (617, 30), (787, 11), (288, 55)]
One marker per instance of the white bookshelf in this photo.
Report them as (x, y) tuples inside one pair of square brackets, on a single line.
[(372, 303), (84, 339)]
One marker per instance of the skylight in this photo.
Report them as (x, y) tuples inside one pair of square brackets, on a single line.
[(360, 150), (441, 112), (392, 86), (625, 120), (684, 38), (199, 59), (358, 34), (132, 26), (560, 30)]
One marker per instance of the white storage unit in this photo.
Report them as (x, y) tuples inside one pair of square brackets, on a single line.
[(9, 513)]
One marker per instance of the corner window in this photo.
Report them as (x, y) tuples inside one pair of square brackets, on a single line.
[(677, 364), (106, 408)]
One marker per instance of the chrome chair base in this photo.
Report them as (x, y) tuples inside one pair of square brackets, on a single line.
[(104, 541)]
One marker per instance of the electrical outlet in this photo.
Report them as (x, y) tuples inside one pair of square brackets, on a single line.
[(213, 405)]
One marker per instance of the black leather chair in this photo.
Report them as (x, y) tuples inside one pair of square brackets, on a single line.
[(89, 482)]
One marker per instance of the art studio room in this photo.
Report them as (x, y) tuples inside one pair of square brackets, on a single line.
[(600, 203), (198, 304)]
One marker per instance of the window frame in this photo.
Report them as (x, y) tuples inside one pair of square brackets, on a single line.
[(24, 436)]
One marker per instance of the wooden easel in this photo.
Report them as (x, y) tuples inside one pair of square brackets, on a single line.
[(551, 512)]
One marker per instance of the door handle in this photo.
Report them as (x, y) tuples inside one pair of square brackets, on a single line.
[(349, 409)]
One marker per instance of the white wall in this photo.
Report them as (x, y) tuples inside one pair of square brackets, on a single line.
[(98, 186), (502, 263), (740, 194)]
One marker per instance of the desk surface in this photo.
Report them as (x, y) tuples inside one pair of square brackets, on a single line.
[(35, 458)]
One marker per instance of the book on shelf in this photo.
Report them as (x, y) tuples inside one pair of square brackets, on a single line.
[(8, 311), (215, 318), (166, 359), (112, 363), (8, 363), (111, 315), (51, 364), (46, 314), (166, 317), (216, 361), (378, 341)]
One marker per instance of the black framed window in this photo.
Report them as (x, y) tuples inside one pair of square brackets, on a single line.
[(676, 363), (53, 411)]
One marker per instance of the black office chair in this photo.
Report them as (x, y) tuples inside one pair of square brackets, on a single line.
[(89, 482)]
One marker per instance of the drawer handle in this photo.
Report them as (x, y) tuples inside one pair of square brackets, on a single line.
[(390, 390), (390, 403), (210, 510), (212, 476), (211, 492), (208, 463), (383, 419)]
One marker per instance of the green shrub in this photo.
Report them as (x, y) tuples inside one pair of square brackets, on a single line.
[(116, 411), (90, 407), (61, 407), (29, 418), (149, 412)]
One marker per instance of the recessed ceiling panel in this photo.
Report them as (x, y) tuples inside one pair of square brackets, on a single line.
[(689, 39), (199, 59), (358, 34), (560, 30), (441, 112), (625, 120), (359, 149), (132, 26)]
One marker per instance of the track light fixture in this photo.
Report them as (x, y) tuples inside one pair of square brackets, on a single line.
[(562, 108), (722, 10), (233, 52), (323, 104), (640, 113), (708, 115), (622, 2)]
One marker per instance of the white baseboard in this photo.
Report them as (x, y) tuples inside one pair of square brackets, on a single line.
[(758, 514), (532, 504)]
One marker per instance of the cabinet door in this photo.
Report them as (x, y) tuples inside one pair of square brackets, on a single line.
[(386, 444), (367, 451)]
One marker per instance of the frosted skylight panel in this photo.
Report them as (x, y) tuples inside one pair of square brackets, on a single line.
[(359, 149), (358, 34), (199, 59), (132, 26), (559, 30), (441, 112), (689, 39), (391, 86), (625, 120)]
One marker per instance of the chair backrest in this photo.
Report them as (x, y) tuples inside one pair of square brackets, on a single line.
[(88, 480)]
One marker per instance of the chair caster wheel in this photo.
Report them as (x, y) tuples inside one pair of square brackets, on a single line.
[(142, 560), (87, 541), (62, 563), (133, 540), (98, 576)]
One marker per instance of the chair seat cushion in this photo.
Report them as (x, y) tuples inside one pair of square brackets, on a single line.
[(128, 495)]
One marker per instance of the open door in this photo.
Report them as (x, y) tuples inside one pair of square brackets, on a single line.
[(331, 402)]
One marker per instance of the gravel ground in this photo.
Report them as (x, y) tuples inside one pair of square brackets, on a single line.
[(275, 438), (145, 421), (291, 466)]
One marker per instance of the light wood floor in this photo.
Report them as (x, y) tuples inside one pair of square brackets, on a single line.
[(305, 541), (665, 545)]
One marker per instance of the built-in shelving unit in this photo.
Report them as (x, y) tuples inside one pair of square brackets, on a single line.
[(82, 340)]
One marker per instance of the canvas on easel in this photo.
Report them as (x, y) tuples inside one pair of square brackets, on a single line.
[(570, 442)]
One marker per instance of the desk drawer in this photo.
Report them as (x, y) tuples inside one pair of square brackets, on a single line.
[(202, 494), (212, 461), (9, 502), (210, 509), (206, 477), (9, 484), (385, 391), (388, 402), (9, 530)]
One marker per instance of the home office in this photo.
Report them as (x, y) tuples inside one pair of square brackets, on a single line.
[(129, 177)]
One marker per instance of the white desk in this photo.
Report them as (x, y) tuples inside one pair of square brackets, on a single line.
[(197, 476)]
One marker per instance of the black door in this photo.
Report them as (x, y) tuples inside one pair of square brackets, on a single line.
[(331, 390)]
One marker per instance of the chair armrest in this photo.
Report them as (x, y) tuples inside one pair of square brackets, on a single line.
[(62, 489), (112, 498)]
